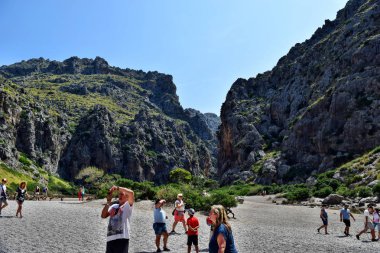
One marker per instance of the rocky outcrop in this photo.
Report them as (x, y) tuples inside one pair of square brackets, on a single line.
[(318, 107), (69, 115)]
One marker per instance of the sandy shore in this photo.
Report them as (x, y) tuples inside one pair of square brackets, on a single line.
[(260, 226)]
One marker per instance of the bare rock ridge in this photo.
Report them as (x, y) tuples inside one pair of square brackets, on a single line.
[(69, 115), (316, 109)]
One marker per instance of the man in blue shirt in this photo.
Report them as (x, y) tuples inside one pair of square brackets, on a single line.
[(345, 217)]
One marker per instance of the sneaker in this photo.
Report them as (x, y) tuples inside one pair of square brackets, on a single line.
[(172, 232), (357, 237), (326, 233), (166, 249), (318, 230), (158, 250), (374, 240)]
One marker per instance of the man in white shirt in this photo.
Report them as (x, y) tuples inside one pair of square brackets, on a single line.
[(368, 223), (118, 231), (3, 194)]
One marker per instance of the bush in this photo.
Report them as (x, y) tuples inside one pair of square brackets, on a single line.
[(24, 160), (298, 194), (364, 191), (376, 189), (222, 198), (324, 192), (180, 175)]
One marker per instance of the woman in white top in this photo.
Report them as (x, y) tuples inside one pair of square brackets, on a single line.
[(179, 213)]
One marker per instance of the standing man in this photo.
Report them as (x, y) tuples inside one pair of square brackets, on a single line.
[(118, 231), (159, 224), (179, 213), (368, 223), (3, 194), (345, 217)]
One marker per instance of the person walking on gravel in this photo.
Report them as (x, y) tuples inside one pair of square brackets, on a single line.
[(345, 217), (119, 214), (3, 194), (159, 224), (222, 240), (20, 197), (179, 213), (368, 223), (324, 217), (376, 221)]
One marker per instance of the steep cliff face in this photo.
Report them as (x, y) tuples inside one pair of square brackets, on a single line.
[(317, 108), (82, 112)]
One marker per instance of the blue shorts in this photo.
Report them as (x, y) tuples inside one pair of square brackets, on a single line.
[(159, 228), (325, 222)]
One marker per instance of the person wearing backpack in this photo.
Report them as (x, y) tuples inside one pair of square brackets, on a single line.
[(3, 194)]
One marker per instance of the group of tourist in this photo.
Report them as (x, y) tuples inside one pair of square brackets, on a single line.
[(20, 196), (371, 221), (120, 212)]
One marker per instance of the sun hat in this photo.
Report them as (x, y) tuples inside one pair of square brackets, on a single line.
[(179, 195)]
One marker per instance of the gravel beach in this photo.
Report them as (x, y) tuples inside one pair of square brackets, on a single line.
[(260, 226)]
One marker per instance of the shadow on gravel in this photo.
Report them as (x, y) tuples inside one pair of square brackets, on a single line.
[(8, 216), (204, 250)]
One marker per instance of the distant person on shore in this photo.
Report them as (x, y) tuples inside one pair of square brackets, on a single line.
[(345, 217), (118, 231), (37, 192), (376, 221), (45, 192), (325, 219), (20, 198), (159, 224), (192, 231), (179, 213), (368, 223), (80, 194), (3, 194), (222, 240)]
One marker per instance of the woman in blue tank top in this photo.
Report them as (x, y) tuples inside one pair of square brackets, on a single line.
[(222, 239)]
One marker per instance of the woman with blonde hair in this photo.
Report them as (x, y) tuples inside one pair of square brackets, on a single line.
[(222, 240), (21, 192)]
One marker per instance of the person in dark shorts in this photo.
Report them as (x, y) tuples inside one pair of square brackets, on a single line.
[(119, 214), (324, 218), (20, 197), (345, 217), (159, 224), (192, 231)]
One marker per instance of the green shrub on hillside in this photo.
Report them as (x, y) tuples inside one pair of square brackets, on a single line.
[(323, 192), (376, 189), (364, 191), (298, 194), (180, 175)]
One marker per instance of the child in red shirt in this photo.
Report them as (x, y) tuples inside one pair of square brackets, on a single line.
[(192, 231)]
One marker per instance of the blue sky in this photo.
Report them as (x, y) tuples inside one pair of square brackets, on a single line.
[(204, 44)]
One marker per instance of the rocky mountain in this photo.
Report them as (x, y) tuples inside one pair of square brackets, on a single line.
[(69, 115), (318, 108)]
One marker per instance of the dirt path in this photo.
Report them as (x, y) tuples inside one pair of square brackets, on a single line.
[(70, 226)]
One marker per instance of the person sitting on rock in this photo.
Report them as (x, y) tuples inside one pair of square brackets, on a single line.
[(324, 217), (345, 217)]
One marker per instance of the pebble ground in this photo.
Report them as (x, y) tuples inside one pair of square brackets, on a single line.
[(260, 226)]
